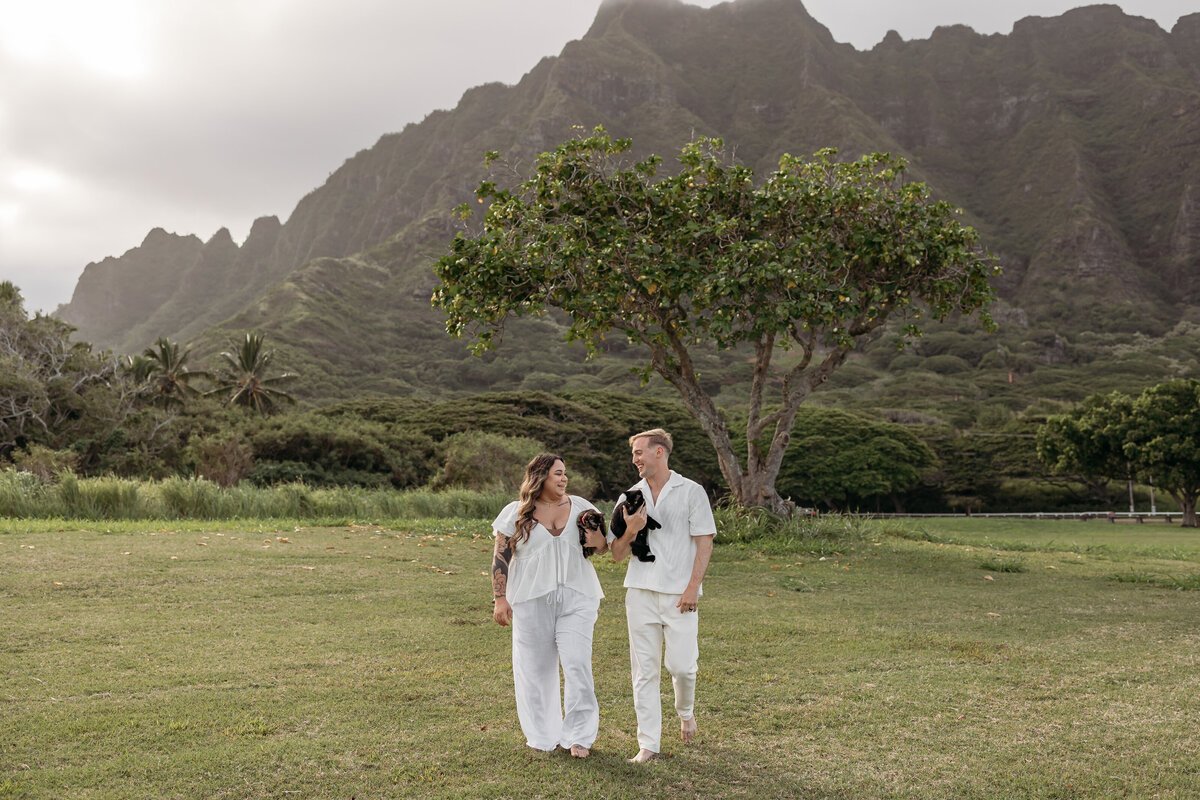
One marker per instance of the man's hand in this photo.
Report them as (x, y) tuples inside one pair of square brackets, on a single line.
[(689, 600), (635, 522)]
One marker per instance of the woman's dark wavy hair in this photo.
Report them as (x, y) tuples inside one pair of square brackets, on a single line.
[(536, 473)]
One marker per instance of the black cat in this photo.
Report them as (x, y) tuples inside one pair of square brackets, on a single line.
[(589, 520), (641, 540)]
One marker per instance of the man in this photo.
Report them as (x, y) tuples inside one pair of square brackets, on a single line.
[(662, 595)]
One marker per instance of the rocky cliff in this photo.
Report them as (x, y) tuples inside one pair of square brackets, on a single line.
[(1073, 144)]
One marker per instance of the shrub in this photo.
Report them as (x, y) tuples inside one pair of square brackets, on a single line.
[(340, 450), (224, 459), (542, 382), (905, 362), (946, 364), (482, 461), (44, 462)]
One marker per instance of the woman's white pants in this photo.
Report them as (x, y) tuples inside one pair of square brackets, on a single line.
[(654, 621), (548, 632)]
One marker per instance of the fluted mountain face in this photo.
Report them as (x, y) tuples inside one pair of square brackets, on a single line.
[(1073, 144)]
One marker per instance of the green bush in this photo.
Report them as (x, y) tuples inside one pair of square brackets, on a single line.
[(225, 458), (485, 461), (844, 461), (44, 462), (905, 362), (589, 429), (339, 450), (542, 382), (946, 364)]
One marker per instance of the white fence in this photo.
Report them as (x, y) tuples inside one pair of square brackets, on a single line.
[(1083, 516)]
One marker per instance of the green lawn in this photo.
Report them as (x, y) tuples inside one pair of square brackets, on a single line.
[(1122, 539), (919, 661)]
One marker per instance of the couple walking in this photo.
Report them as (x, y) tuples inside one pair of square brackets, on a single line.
[(549, 592)]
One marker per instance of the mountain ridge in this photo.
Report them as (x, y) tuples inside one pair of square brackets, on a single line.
[(1071, 144)]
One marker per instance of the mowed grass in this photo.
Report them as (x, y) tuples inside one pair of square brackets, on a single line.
[(1120, 540), (270, 660)]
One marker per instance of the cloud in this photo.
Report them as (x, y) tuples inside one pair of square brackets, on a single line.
[(193, 115), (231, 111)]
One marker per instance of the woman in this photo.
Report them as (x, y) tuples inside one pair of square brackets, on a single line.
[(549, 591)]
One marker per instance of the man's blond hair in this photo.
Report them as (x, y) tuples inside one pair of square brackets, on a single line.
[(658, 438)]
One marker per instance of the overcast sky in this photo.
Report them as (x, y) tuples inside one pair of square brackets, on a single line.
[(118, 116)]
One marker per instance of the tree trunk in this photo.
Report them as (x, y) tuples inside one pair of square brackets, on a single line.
[(757, 489), (1187, 502)]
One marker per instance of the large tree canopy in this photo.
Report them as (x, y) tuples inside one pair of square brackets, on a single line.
[(1164, 440), (1089, 442), (847, 462), (53, 391), (802, 268), (1156, 434)]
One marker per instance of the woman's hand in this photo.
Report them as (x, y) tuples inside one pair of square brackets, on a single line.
[(596, 539), (502, 611)]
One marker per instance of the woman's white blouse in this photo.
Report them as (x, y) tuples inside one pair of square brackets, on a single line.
[(543, 562)]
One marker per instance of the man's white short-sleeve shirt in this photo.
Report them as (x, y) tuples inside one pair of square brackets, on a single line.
[(683, 510)]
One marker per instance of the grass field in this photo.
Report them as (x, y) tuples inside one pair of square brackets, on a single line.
[(924, 659)]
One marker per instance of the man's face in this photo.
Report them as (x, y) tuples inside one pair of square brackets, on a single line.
[(648, 460)]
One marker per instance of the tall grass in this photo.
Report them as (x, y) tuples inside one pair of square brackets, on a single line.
[(24, 495), (756, 528)]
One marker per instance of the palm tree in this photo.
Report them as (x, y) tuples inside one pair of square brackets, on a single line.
[(164, 367), (242, 378)]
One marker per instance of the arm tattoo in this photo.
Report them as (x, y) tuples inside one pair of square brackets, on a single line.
[(500, 559)]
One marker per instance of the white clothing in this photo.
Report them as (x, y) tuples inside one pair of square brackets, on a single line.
[(550, 631), (555, 597), (653, 621), (543, 562), (683, 511)]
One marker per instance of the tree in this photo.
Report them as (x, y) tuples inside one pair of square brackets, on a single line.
[(243, 379), (1164, 440), (801, 269), (1114, 435), (166, 373), (843, 461), (53, 392), (1089, 442)]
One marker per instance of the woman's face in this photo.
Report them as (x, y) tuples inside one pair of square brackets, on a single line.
[(556, 481)]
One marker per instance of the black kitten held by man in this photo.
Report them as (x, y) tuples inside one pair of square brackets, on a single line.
[(640, 546)]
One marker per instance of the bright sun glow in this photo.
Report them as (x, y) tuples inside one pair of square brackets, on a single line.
[(34, 178), (106, 38)]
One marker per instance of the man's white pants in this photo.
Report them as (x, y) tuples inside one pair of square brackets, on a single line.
[(550, 631), (654, 621)]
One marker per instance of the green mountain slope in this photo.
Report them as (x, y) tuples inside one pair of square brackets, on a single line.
[(1072, 144)]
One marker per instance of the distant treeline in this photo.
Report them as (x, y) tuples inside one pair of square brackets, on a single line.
[(837, 461)]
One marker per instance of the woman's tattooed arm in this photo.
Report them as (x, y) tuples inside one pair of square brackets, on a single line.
[(501, 611), (500, 561)]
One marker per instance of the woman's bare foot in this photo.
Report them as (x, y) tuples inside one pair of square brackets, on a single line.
[(688, 729), (579, 751), (643, 756)]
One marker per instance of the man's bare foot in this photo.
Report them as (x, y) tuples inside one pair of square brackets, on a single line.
[(688, 729), (579, 751), (643, 756)]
